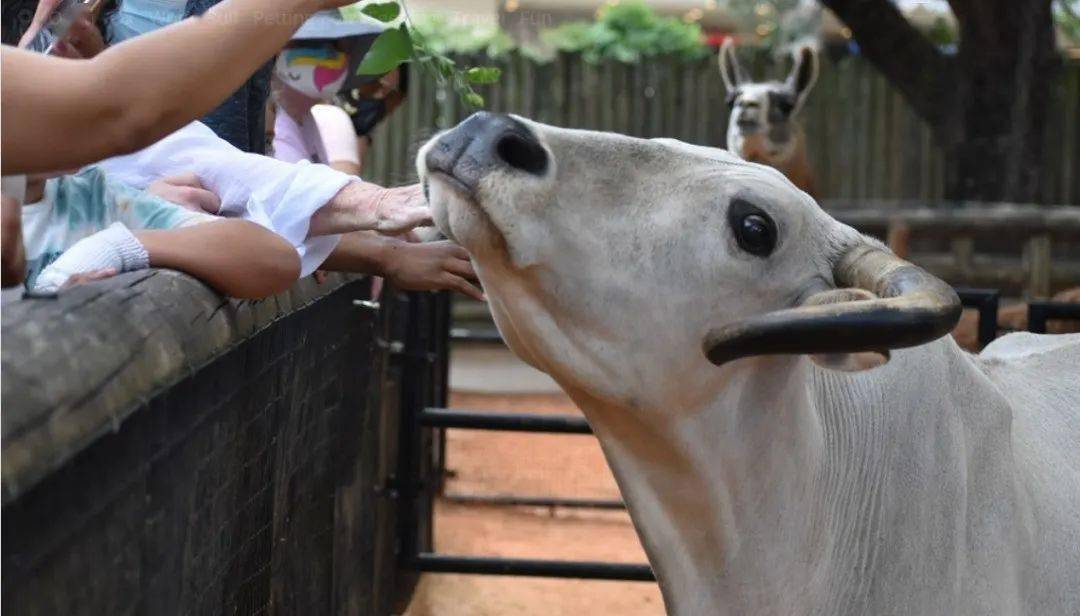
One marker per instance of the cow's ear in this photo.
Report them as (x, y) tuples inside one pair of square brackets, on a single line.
[(730, 69), (846, 362), (803, 74)]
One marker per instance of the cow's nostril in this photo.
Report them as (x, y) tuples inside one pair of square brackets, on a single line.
[(522, 152)]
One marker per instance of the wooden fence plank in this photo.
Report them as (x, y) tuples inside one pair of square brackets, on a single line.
[(863, 138)]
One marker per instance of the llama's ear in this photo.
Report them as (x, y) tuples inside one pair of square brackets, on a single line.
[(803, 74), (730, 70)]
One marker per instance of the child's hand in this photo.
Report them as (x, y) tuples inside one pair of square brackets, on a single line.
[(83, 40), (188, 191), (90, 276)]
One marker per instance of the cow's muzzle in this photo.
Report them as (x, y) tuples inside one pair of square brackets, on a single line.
[(483, 143)]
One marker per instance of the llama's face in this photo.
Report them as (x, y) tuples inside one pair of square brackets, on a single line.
[(762, 126)]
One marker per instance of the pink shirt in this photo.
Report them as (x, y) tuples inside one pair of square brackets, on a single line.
[(289, 142)]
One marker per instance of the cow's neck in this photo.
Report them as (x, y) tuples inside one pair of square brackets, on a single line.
[(768, 501)]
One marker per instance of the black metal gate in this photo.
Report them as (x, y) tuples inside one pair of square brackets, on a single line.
[(426, 416)]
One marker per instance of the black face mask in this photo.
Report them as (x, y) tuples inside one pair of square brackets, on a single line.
[(369, 113)]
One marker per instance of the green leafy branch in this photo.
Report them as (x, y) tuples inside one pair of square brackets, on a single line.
[(395, 46)]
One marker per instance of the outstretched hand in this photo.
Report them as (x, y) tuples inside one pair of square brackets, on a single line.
[(432, 266), (363, 206), (400, 209)]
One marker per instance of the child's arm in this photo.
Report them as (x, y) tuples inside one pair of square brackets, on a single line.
[(237, 258)]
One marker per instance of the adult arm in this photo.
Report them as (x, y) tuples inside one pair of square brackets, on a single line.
[(305, 203), (140, 90)]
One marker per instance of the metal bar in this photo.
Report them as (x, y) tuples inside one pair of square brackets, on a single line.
[(515, 500), (462, 334), (1040, 312), (432, 562), (513, 422), (446, 303), (412, 402), (986, 302)]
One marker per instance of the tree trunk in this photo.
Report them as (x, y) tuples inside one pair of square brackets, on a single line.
[(988, 105), (1006, 66)]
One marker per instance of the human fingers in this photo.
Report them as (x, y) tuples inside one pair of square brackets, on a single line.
[(85, 37), (461, 267), (44, 10), (64, 49), (191, 197), (89, 276), (459, 284), (398, 218), (187, 178), (455, 250)]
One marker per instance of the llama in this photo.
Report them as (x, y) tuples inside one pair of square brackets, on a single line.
[(763, 127)]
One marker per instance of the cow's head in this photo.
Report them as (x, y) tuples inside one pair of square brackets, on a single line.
[(612, 262), (762, 124)]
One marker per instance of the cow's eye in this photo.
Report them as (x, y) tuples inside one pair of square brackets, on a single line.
[(754, 231)]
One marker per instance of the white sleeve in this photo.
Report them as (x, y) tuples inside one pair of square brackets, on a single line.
[(277, 195)]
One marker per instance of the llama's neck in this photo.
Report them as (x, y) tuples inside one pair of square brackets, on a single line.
[(773, 499), (789, 158)]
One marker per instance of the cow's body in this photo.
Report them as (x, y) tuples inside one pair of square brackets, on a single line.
[(865, 493), (937, 483)]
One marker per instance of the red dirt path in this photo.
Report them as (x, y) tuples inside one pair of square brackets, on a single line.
[(538, 465)]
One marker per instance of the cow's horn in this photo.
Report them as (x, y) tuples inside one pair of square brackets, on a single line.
[(913, 308)]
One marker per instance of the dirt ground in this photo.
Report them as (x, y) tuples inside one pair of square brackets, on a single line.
[(536, 465)]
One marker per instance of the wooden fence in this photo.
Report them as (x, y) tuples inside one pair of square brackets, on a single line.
[(864, 140), (214, 456)]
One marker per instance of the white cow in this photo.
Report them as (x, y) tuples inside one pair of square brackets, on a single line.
[(687, 301)]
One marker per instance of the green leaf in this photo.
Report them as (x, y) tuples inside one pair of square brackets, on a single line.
[(350, 12), (483, 75), (390, 49), (382, 11), (473, 99)]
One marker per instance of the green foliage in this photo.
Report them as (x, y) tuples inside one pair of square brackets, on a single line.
[(941, 33), (627, 32), (405, 43), (1067, 19), (449, 36), (390, 49), (382, 11), (483, 75)]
